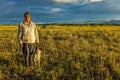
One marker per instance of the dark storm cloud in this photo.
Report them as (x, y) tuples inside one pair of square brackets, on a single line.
[(59, 10)]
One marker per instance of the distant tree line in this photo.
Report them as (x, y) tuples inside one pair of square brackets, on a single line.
[(67, 24), (57, 24)]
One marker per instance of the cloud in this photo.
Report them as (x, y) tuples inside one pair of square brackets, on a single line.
[(114, 4), (66, 1), (76, 1), (7, 3), (6, 6), (54, 10), (96, 0), (59, 10)]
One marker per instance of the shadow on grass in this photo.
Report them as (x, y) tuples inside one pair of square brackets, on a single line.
[(4, 62)]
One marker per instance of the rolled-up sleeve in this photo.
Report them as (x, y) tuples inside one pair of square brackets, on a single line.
[(36, 35), (19, 33)]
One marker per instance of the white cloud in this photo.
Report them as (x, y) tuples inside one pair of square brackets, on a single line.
[(66, 1), (96, 0), (54, 10), (113, 4), (44, 9), (77, 2)]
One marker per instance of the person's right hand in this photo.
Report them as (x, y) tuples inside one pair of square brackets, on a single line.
[(38, 45), (21, 44)]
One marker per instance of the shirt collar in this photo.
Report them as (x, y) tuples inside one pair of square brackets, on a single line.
[(27, 22)]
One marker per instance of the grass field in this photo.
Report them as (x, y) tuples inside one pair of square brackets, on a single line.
[(68, 53)]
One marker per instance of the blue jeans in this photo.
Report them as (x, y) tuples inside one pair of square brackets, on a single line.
[(28, 49)]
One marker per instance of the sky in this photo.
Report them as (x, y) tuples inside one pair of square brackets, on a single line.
[(59, 11)]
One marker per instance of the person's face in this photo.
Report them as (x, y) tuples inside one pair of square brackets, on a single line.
[(27, 18)]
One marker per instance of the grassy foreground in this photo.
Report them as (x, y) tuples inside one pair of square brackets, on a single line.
[(68, 53)]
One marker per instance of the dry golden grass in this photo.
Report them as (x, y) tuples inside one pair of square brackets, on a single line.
[(68, 53)]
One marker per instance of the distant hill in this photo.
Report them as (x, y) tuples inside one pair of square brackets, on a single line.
[(109, 22), (113, 22), (103, 22)]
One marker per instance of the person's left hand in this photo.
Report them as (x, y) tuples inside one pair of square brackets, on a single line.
[(37, 44)]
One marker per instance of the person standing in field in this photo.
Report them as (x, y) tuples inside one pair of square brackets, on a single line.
[(28, 38)]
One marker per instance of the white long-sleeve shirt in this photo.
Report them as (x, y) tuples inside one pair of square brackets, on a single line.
[(27, 33)]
